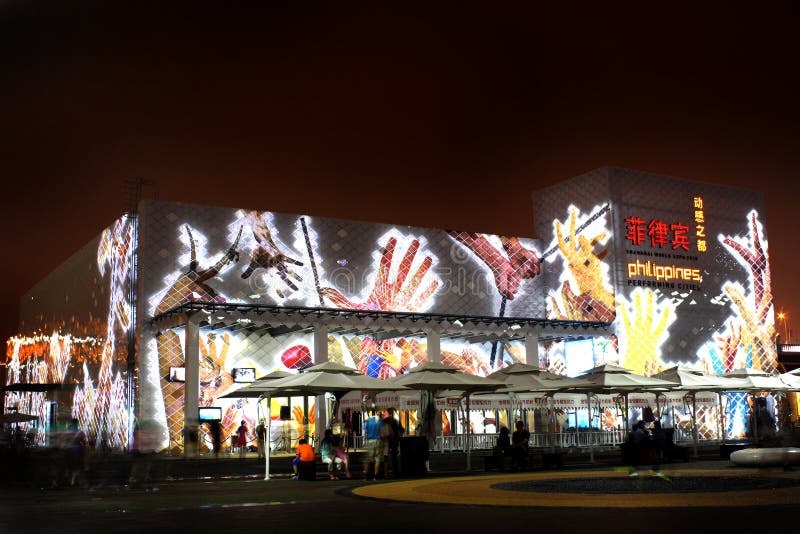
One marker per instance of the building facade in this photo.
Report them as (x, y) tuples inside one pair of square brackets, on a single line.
[(170, 307)]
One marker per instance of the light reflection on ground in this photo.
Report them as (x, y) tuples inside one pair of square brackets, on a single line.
[(773, 487)]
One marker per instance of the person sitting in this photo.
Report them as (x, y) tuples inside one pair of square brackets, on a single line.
[(503, 441), (644, 450), (330, 456), (305, 454), (519, 446), (640, 433), (502, 447), (341, 454)]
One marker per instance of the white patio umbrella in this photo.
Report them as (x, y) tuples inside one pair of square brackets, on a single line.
[(610, 378), (753, 381), (693, 381), (433, 376), (524, 375), (326, 377), (251, 390), (791, 379), (542, 382)]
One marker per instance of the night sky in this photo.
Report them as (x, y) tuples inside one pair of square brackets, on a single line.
[(446, 117)]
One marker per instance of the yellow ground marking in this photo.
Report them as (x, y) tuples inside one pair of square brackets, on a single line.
[(477, 490)]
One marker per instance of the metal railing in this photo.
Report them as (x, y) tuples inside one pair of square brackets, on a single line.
[(537, 440), (581, 438)]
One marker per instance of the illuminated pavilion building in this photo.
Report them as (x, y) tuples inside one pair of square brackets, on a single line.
[(632, 268)]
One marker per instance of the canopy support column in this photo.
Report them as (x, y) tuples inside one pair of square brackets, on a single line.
[(434, 346), (268, 434), (468, 434), (191, 388), (321, 356), (532, 349)]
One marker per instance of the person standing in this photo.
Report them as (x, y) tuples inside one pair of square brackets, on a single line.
[(374, 455), (393, 431), (261, 432), (77, 453), (241, 438), (216, 437)]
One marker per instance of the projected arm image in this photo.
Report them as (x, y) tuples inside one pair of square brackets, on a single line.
[(593, 300), (579, 307), (100, 403), (757, 338), (755, 259), (402, 293), (191, 285), (757, 330), (645, 331), (749, 336), (214, 381), (510, 270), (267, 255)]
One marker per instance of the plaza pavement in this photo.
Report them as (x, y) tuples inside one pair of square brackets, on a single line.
[(208, 495)]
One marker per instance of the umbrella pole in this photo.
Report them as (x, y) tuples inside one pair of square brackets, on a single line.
[(552, 426), (305, 418), (754, 412), (468, 437), (721, 417), (266, 439), (626, 414), (694, 423), (591, 442)]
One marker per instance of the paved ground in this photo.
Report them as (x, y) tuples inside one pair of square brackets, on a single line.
[(706, 494)]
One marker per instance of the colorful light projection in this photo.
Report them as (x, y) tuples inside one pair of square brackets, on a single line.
[(190, 285), (43, 359), (510, 260), (585, 292), (100, 401), (748, 337), (102, 406), (388, 287), (746, 340)]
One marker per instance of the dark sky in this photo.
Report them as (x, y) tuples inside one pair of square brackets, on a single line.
[(436, 116)]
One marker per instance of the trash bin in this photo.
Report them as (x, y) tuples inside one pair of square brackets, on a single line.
[(413, 455)]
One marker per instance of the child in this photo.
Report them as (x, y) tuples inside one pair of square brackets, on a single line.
[(305, 453), (341, 454)]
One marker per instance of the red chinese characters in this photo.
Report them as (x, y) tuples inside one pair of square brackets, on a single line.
[(659, 233)]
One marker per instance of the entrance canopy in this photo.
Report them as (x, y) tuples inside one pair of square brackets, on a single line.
[(379, 324)]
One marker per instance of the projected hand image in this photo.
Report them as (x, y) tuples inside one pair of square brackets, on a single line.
[(758, 338), (509, 271), (757, 333), (644, 331), (586, 268), (402, 294), (727, 347), (579, 307), (468, 360), (268, 256), (297, 415), (756, 260)]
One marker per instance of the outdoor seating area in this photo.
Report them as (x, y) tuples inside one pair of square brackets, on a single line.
[(524, 393)]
